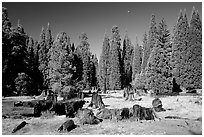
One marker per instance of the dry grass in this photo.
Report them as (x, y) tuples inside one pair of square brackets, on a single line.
[(183, 107)]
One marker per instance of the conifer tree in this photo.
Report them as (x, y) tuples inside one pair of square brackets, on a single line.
[(84, 53), (145, 48), (104, 65), (115, 75), (45, 43), (6, 24), (42, 57), (93, 71), (193, 57), (137, 59), (152, 34), (61, 63), (179, 47), (159, 71), (127, 61)]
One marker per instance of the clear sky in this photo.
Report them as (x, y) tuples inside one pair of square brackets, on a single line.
[(94, 18)]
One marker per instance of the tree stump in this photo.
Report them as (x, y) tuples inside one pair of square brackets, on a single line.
[(128, 93), (96, 101)]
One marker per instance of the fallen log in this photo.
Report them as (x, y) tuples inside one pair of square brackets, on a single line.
[(21, 125)]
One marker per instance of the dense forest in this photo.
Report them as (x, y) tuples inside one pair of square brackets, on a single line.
[(30, 66)]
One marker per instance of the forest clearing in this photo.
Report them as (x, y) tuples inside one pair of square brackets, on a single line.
[(142, 75), (184, 112)]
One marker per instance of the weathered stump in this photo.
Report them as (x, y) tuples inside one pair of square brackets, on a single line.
[(125, 114), (67, 126), (104, 114), (157, 105), (96, 101), (86, 116), (128, 93), (176, 88), (142, 113)]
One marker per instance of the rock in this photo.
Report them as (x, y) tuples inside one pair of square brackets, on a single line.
[(67, 126)]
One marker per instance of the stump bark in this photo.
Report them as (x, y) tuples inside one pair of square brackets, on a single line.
[(96, 101), (128, 93)]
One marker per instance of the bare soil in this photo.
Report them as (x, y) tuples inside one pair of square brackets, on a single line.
[(183, 117)]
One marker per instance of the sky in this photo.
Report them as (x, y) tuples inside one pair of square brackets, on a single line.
[(95, 18)]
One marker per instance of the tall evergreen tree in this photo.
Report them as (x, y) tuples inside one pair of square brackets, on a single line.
[(6, 24), (159, 71), (6, 52), (84, 53), (193, 56), (104, 65), (180, 41), (45, 44), (145, 48), (115, 75), (151, 41), (127, 61), (42, 57), (16, 59), (61, 63), (93, 71), (137, 59)]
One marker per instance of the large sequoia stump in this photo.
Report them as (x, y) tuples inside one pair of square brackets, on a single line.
[(128, 93), (86, 116), (157, 105), (176, 88), (69, 107), (96, 101), (142, 113)]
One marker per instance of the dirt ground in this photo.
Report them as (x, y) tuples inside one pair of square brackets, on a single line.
[(183, 117)]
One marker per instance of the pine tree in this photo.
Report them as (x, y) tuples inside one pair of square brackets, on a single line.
[(45, 43), (84, 53), (6, 52), (127, 61), (159, 71), (30, 52), (42, 57), (151, 41), (137, 59), (93, 71), (115, 75), (193, 58), (104, 65), (6, 24), (61, 63), (179, 47), (144, 53)]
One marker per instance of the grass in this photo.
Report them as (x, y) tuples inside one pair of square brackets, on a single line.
[(178, 107)]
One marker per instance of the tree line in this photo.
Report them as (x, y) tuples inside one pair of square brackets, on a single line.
[(161, 58), (30, 66)]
